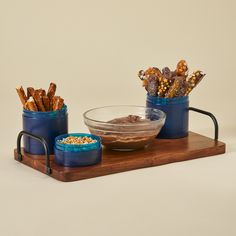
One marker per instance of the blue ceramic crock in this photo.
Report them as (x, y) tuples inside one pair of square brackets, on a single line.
[(176, 109), (72, 155), (47, 125)]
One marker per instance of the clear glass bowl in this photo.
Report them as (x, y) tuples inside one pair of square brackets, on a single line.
[(124, 136)]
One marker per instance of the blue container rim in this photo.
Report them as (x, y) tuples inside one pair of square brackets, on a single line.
[(65, 147), (45, 113), (165, 101)]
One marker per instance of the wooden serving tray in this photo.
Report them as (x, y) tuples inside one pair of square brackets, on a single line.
[(162, 151)]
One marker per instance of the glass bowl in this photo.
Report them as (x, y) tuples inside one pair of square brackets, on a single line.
[(124, 127)]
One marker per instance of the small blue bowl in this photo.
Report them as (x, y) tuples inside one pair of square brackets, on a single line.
[(72, 155)]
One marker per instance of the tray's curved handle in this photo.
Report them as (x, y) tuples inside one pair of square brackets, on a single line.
[(210, 115), (41, 140)]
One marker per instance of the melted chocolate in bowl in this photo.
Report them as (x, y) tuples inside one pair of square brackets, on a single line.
[(123, 142)]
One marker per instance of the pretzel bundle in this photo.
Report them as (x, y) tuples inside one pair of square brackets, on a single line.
[(169, 83), (39, 100)]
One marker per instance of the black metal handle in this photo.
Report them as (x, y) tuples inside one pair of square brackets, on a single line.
[(41, 140), (212, 117)]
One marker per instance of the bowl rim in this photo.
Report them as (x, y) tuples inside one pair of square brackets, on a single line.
[(160, 113)]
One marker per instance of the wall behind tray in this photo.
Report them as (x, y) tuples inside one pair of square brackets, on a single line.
[(93, 52)]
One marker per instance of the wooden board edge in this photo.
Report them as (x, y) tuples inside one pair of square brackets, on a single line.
[(70, 177)]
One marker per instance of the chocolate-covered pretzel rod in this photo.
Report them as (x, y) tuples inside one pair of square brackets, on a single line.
[(178, 88), (152, 85), (165, 86), (38, 100), (173, 89), (152, 71), (193, 81), (141, 75), (182, 68), (21, 94), (167, 73)]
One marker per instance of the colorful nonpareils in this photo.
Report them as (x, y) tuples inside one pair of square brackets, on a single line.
[(169, 83), (74, 140), (39, 100)]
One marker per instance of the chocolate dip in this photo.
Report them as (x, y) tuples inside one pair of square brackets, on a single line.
[(130, 119), (125, 135)]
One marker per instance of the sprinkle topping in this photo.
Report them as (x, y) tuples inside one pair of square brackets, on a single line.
[(77, 140)]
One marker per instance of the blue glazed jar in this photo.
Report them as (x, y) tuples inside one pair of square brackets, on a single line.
[(176, 109), (74, 155), (47, 125)]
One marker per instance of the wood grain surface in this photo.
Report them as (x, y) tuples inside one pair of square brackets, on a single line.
[(160, 152)]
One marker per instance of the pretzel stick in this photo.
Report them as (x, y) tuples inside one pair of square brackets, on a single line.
[(39, 101), (51, 90), (58, 103), (21, 94), (31, 105), (41, 92), (46, 103), (30, 92), (26, 106)]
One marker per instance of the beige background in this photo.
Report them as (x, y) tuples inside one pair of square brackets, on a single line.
[(93, 51)]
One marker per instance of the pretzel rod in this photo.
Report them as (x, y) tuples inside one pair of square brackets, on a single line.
[(182, 68), (152, 71), (26, 106), (174, 90), (164, 85), (167, 73), (54, 101), (21, 94), (39, 101), (46, 103), (183, 86), (58, 103), (51, 90), (193, 81), (31, 105), (30, 92), (152, 84), (141, 75), (41, 92)]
